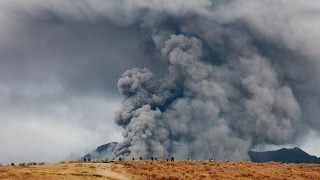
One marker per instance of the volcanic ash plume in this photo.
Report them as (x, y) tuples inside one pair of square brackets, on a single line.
[(202, 110), (222, 77)]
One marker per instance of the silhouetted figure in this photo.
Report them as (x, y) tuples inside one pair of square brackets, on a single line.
[(119, 159), (155, 158), (132, 159), (12, 164), (84, 159), (89, 160), (172, 158), (167, 159), (141, 158), (107, 159), (151, 158)]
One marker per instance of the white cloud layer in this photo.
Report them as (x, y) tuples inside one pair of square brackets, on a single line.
[(55, 130)]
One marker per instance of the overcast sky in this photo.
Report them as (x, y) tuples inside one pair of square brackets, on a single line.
[(58, 79), (60, 62), (58, 84)]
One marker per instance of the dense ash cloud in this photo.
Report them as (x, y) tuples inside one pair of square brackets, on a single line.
[(216, 111), (230, 89), (206, 78)]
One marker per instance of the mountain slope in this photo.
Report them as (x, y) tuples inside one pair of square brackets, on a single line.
[(102, 152), (284, 155)]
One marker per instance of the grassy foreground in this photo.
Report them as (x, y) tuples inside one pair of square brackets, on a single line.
[(65, 171), (161, 170), (221, 170)]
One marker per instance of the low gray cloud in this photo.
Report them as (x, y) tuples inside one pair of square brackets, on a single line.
[(59, 79), (51, 125)]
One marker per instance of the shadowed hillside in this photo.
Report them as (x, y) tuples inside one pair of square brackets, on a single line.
[(295, 155), (102, 152)]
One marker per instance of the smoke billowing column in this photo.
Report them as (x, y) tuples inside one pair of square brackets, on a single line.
[(200, 109)]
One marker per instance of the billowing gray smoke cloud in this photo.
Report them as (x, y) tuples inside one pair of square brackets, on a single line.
[(203, 110), (207, 107), (213, 79)]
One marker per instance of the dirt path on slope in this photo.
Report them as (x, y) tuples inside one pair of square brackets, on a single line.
[(66, 171), (109, 171)]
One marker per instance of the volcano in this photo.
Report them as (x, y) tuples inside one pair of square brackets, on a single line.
[(284, 155)]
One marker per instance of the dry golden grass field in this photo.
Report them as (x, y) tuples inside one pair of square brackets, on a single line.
[(65, 171), (161, 170)]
